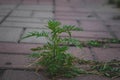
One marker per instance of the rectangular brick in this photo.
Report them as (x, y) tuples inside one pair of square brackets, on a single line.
[(88, 34), (115, 28), (21, 13), (43, 14), (107, 16), (23, 24), (106, 54), (10, 34), (7, 6), (17, 48), (113, 23), (4, 12), (25, 19), (36, 7), (92, 25), (14, 61), (1, 17), (25, 75)]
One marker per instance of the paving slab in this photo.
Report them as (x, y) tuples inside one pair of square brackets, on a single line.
[(23, 24), (4, 12), (21, 13), (15, 61), (24, 75), (25, 19), (36, 7), (114, 28), (117, 34), (106, 54), (108, 16), (43, 14), (15, 48), (88, 34), (1, 17), (112, 22), (92, 77), (10, 34), (92, 25), (7, 6)]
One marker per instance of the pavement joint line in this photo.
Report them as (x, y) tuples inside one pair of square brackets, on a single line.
[(93, 54), (10, 12), (20, 37)]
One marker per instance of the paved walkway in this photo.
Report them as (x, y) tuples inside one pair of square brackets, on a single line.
[(18, 17)]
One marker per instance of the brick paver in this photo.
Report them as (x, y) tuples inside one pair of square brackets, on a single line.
[(18, 17)]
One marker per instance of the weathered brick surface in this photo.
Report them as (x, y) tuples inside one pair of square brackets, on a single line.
[(21, 13), (36, 7), (14, 61), (16, 48), (23, 24), (4, 12), (92, 25), (86, 34), (7, 6), (25, 19), (106, 54), (10, 34), (43, 14), (117, 34), (24, 75)]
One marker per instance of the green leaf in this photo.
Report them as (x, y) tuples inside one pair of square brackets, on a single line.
[(36, 34)]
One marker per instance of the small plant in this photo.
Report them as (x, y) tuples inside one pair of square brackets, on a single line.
[(52, 57), (94, 43)]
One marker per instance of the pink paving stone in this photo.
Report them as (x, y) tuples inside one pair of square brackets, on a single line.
[(15, 61), (83, 53), (117, 34), (107, 54), (92, 77), (86, 34), (62, 8), (115, 28), (113, 23), (107, 16), (92, 25), (17, 48), (114, 45), (69, 22)]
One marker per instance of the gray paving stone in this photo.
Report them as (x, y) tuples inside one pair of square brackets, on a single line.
[(15, 61), (36, 7), (21, 13), (112, 22), (7, 6), (117, 34), (24, 75), (4, 12), (41, 40), (25, 19), (107, 16), (10, 34), (115, 28), (43, 14), (1, 17), (89, 34), (107, 54), (92, 25), (23, 24)]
